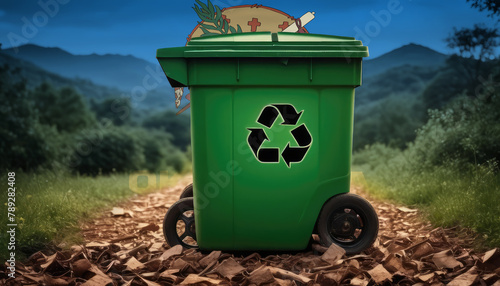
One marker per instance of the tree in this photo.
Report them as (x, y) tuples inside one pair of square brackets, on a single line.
[(177, 125), (65, 108), (391, 121), (117, 110), (159, 153), (104, 151), (493, 6), (24, 142), (478, 43), (465, 72), (466, 132)]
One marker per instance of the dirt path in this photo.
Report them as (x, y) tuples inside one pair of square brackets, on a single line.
[(126, 246)]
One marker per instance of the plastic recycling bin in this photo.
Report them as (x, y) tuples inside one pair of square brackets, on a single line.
[(271, 127)]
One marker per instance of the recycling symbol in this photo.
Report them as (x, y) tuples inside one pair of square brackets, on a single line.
[(290, 154)]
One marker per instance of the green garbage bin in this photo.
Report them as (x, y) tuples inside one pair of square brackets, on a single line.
[(271, 126)]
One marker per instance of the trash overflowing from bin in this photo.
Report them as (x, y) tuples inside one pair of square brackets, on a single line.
[(271, 125)]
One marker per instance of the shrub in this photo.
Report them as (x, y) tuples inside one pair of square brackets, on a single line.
[(177, 125), (467, 131), (159, 152), (450, 171), (65, 108), (118, 110), (24, 142), (103, 151), (392, 121)]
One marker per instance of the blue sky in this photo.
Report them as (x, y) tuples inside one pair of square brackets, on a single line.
[(140, 27)]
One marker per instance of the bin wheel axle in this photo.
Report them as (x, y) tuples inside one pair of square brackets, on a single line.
[(189, 229), (349, 221), (344, 225)]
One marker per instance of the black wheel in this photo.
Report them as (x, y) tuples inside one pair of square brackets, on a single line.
[(349, 221), (179, 226), (187, 192)]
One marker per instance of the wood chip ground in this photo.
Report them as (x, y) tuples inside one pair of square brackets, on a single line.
[(125, 246)]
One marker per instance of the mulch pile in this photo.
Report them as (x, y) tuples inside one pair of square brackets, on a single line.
[(126, 247)]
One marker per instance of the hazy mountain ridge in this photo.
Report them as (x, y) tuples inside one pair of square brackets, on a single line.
[(160, 98), (126, 71), (35, 76), (118, 71), (411, 54), (403, 81), (405, 71)]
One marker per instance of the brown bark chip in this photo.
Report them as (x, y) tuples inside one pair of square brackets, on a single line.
[(393, 263), (126, 247), (445, 259), (194, 279), (422, 249), (98, 280), (466, 279), (150, 227), (491, 259), (81, 266), (134, 265), (117, 211), (333, 254), (209, 259), (122, 238), (55, 281), (359, 281), (490, 278), (176, 250), (284, 274), (379, 274), (261, 276), (407, 210), (156, 247), (229, 268), (491, 255)]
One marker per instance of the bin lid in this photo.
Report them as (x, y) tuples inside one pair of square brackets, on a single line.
[(267, 44)]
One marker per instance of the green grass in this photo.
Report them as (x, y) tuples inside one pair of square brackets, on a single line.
[(448, 196), (49, 206)]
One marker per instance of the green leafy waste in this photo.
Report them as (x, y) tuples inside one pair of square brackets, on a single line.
[(212, 23)]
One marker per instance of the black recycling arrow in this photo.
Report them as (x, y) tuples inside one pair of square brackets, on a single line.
[(289, 114), (267, 116), (301, 135), (294, 154), (269, 155), (297, 154), (256, 138)]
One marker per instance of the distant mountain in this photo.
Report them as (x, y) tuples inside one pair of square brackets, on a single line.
[(118, 71), (157, 99), (127, 72), (403, 72), (402, 81), (412, 54), (35, 76), (406, 70)]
